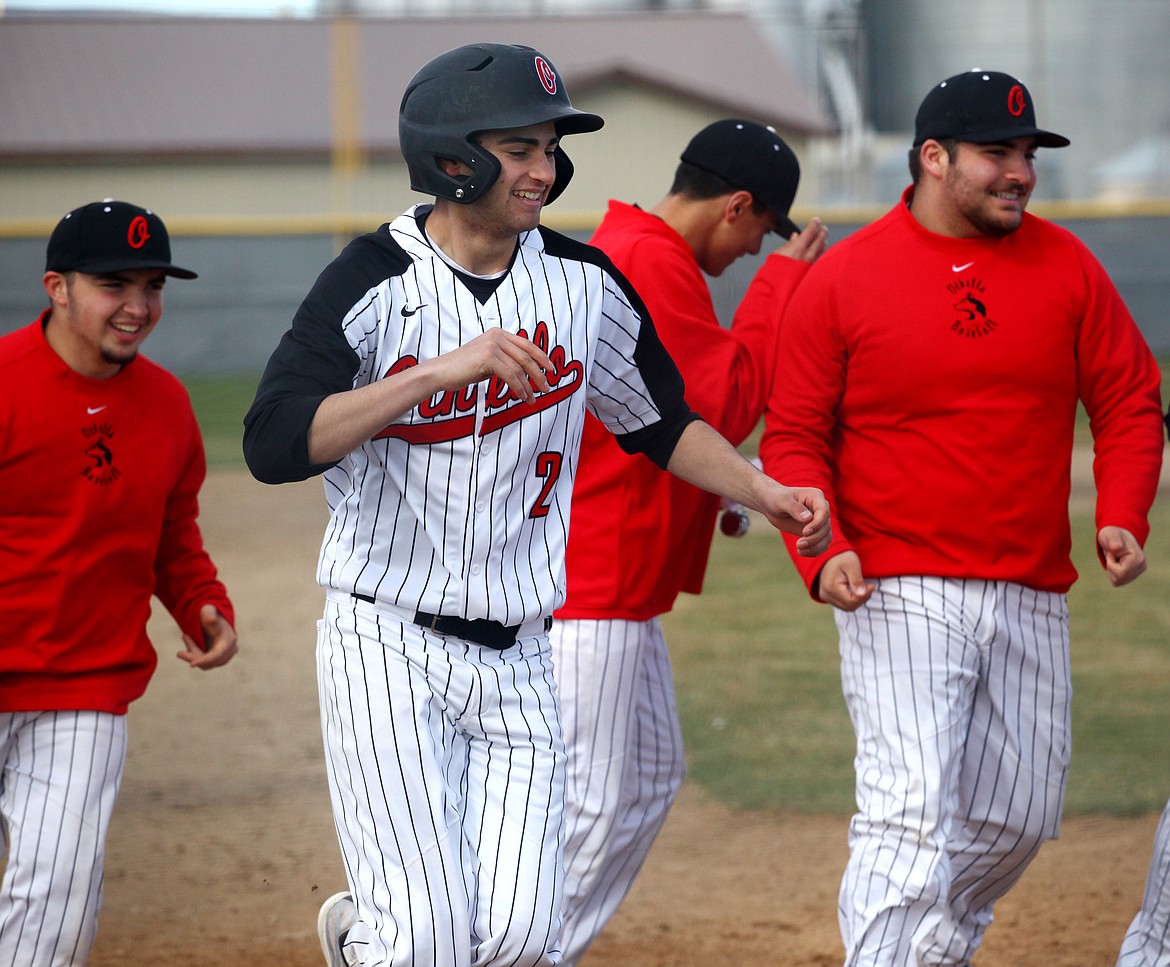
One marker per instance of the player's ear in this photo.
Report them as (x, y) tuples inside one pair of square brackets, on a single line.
[(453, 168), (56, 288), (933, 157), (738, 203)]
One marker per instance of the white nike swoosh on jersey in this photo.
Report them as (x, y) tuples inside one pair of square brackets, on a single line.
[(91, 410), (959, 268)]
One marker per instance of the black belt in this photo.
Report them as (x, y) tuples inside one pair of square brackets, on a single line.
[(482, 631)]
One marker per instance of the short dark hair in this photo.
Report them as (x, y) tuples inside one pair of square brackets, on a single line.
[(699, 184), (950, 144)]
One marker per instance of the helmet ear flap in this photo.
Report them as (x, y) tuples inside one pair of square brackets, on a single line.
[(564, 172), (425, 148), (485, 169)]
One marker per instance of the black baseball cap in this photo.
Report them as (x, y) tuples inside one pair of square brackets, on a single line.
[(982, 107), (750, 157), (111, 236)]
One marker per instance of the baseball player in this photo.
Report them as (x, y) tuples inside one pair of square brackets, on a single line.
[(1147, 942), (101, 463), (934, 361), (438, 375), (640, 536)]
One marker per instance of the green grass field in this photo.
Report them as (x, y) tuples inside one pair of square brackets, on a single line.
[(220, 403), (756, 671), (755, 665)]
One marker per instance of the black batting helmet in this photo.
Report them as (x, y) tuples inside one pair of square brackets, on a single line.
[(477, 88)]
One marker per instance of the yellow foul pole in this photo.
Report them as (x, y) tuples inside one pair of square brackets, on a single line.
[(348, 153)]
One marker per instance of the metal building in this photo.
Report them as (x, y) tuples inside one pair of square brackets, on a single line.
[(1097, 69)]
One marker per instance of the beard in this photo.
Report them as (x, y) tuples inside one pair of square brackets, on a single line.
[(119, 357), (994, 226), (979, 207)]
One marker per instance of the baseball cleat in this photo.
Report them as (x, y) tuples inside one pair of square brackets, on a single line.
[(338, 914)]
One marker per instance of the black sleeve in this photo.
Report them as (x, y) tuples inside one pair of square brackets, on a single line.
[(658, 440), (659, 372), (313, 360)]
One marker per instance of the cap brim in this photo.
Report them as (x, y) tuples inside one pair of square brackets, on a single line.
[(98, 268), (579, 122), (1045, 139), (785, 226)]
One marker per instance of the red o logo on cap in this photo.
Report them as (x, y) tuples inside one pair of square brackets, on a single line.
[(138, 232), (546, 75), (1016, 102)]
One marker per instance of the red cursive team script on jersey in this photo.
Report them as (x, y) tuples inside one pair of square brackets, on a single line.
[(452, 413)]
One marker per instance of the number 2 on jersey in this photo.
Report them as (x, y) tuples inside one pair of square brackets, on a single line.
[(548, 466)]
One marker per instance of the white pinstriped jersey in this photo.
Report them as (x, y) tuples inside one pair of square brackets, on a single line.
[(461, 507)]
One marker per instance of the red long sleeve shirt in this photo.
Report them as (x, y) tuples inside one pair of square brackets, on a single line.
[(638, 535), (99, 483), (930, 389)]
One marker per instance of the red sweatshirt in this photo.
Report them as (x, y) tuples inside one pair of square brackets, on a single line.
[(638, 535), (99, 480), (930, 389)]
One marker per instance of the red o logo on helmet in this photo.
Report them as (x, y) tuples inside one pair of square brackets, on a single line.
[(1016, 102), (545, 72), (138, 232)]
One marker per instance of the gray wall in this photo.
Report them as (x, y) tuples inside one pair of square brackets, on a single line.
[(1135, 252), (229, 320), (226, 321)]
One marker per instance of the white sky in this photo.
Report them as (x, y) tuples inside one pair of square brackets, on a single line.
[(248, 8)]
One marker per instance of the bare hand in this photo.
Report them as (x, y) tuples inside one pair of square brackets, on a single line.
[(518, 361), (802, 511), (841, 583), (809, 244), (1125, 560), (219, 641)]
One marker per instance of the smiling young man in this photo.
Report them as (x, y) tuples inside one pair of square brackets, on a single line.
[(482, 238), (101, 463), (934, 363), (105, 317), (437, 375)]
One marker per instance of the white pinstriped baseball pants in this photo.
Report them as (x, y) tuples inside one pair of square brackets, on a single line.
[(446, 772), (959, 693), (626, 762), (60, 779), (1147, 942)]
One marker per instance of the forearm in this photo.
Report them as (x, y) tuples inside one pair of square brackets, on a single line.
[(750, 374), (346, 420), (705, 459), (185, 576)]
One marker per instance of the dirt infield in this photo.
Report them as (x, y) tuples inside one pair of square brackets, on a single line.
[(222, 846)]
